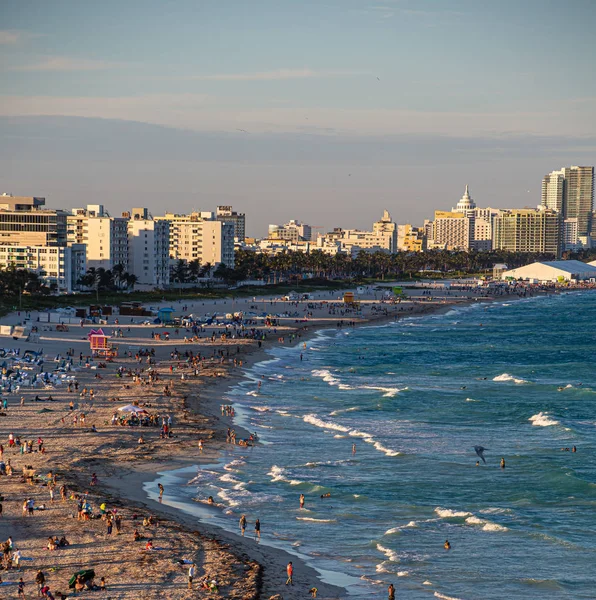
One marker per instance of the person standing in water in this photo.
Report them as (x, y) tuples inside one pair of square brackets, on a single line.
[(161, 490), (257, 530), (502, 463), (242, 524), (391, 592), (301, 500)]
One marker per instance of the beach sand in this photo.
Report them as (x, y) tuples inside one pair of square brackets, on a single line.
[(242, 568)]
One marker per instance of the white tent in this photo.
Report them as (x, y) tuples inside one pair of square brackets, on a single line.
[(132, 409)]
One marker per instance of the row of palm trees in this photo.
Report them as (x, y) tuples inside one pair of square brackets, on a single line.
[(14, 282), (114, 280), (250, 265)]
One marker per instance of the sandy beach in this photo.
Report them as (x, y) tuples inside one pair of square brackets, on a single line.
[(85, 440)]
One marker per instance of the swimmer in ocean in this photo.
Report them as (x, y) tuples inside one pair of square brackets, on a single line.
[(327, 495), (447, 545), (502, 463)]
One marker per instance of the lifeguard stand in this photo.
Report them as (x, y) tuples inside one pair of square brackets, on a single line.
[(165, 315), (98, 342)]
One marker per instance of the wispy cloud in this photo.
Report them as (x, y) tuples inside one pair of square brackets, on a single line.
[(304, 73), (66, 63)]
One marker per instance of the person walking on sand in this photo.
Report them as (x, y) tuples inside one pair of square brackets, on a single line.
[(290, 572), (257, 530), (161, 490), (242, 524), (21, 588)]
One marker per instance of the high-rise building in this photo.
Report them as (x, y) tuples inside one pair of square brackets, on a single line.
[(200, 237), (528, 230), (552, 191), (106, 237), (570, 191), (148, 249), (25, 222), (238, 220), (450, 231)]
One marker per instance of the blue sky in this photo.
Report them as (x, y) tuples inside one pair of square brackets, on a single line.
[(359, 71)]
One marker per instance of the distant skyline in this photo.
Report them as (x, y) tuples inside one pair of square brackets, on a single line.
[(326, 111)]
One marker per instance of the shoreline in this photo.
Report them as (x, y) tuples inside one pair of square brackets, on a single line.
[(123, 466)]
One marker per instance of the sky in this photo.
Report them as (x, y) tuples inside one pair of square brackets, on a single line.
[(327, 111)]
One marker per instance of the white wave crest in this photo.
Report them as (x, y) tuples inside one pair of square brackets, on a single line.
[(390, 554), (403, 573), (314, 420), (387, 451), (232, 465), (389, 392), (261, 408), (486, 525), (343, 410), (507, 377), (326, 376), (280, 474), (316, 520), (410, 525), (542, 420), (444, 597), (446, 513), (252, 393)]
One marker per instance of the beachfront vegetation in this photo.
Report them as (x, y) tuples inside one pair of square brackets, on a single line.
[(377, 265)]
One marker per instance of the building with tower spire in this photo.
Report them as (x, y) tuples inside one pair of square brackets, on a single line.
[(465, 204)]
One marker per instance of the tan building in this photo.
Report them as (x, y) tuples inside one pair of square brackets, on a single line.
[(451, 231), (383, 238), (294, 231), (528, 230), (410, 239), (24, 221), (200, 236)]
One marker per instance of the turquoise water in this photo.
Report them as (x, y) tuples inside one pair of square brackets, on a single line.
[(415, 397)]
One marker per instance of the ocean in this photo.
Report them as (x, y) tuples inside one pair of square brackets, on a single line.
[(415, 397)]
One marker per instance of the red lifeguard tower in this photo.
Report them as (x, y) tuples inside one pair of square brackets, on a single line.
[(98, 342)]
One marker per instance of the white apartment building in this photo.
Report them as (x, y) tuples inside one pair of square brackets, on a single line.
[(571, 240), (202, 237), (106, 237), (148, 249), (57, 266), (484, 219)]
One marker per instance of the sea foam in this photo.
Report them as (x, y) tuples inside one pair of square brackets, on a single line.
[(507, 377), (542, 420)]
